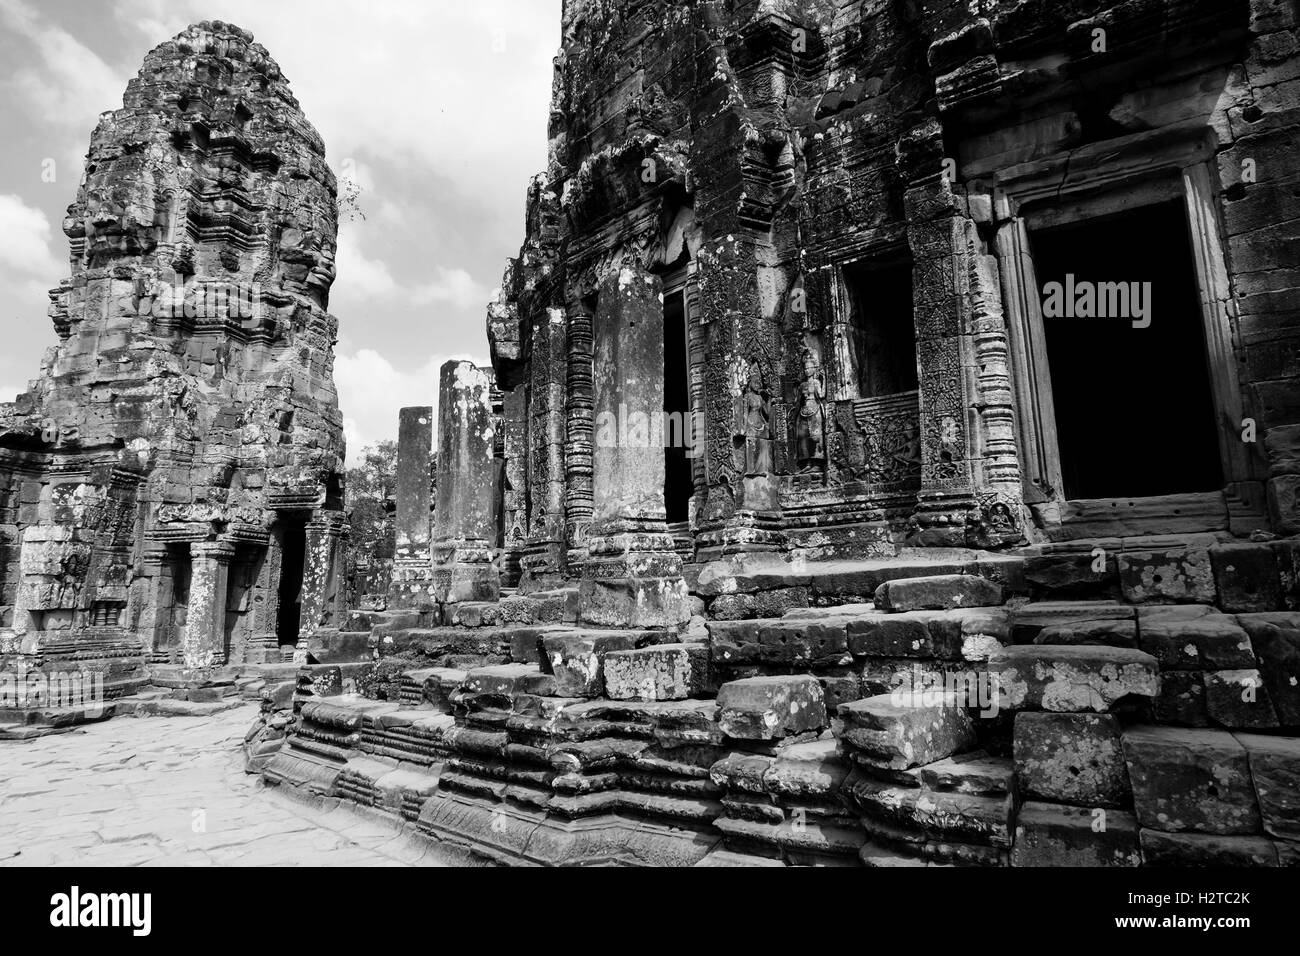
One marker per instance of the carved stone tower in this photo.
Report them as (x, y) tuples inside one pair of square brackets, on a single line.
[(170, 486)]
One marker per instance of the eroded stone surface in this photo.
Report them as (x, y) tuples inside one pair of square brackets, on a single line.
[(907, 729), (1071, 678), (1071, 758), (1196, 780), (769, 708)]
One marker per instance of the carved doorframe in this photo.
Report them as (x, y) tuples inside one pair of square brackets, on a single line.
[(1106, 177)]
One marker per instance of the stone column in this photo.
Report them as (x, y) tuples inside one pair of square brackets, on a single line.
[(632, 576), (325, 532), (151, 621), (464, 567), (543, 564), (578, 446), (203, 645), (412, 561), (970, 475)]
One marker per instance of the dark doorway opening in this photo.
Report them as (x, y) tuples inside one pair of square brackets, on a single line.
[(678, 434), (293, 557), (883, 329), (1134, 405)]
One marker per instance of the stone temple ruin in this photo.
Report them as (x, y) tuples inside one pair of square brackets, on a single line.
[(171, 486), (890, 454)]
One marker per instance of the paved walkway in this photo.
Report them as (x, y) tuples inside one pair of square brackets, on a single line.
[(140, 791)]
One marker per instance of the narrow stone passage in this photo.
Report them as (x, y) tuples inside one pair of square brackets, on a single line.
[(172, 791)]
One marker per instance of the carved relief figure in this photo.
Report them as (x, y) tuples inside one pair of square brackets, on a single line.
[(908, 454), (810, 425), (754, 428)]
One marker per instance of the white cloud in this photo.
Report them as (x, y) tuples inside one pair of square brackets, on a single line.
[(363, 281), (360, 277), (372, 389), (26, 258), (452, 287), (9, 392), (66, 88)]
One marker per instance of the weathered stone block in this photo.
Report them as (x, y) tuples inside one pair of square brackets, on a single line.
[(803, 641), (1183, 577), (1055, 835), (1284, 503), (732, 607), (976, 773), (1195, 780), (1110, 633), (659, 672), (814, 770), (746, 573), (1028, 622), (1182, 699), (1275, 770), (950, 816), (526, 646), (742, 772), (776, 602), (1204, 644), (840, 689), (1205, 849), (576, 659), (1238, 699), (1071, 678), (1287, 553), (1071, 575), (1246, 576), (906, 729), (1276, 640), (924, 634), (770, 708), (1071, 758), (938, 593)]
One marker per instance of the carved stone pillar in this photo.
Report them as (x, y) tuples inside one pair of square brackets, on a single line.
[(970, 472), (632, 576), (578, 451), (543, 565), (151, 622), (464, 566), (514, 493), (322, 569), (203, 644), (412, 561), (266, 608)]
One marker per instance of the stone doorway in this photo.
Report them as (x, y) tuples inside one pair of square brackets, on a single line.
[(291, 538), (678, 433), (1141, 208), (1126, 352)]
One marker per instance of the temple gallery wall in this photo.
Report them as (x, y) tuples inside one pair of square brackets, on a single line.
[(889, 452)]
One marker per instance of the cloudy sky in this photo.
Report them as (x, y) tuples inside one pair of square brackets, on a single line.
[(437, 108)]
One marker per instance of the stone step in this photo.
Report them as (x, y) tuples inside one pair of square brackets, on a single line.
[(824, 637), (906, 729), (795, 582), (169, 707), (339, 647), (1071, 678), (723, 857), (938, 592), (772, 708)]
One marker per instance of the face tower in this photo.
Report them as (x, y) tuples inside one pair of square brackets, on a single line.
[(170, 486)]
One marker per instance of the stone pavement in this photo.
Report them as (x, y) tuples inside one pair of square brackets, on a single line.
[(172, 791)]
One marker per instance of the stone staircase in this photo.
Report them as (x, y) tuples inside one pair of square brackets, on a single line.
[(931, 720)]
